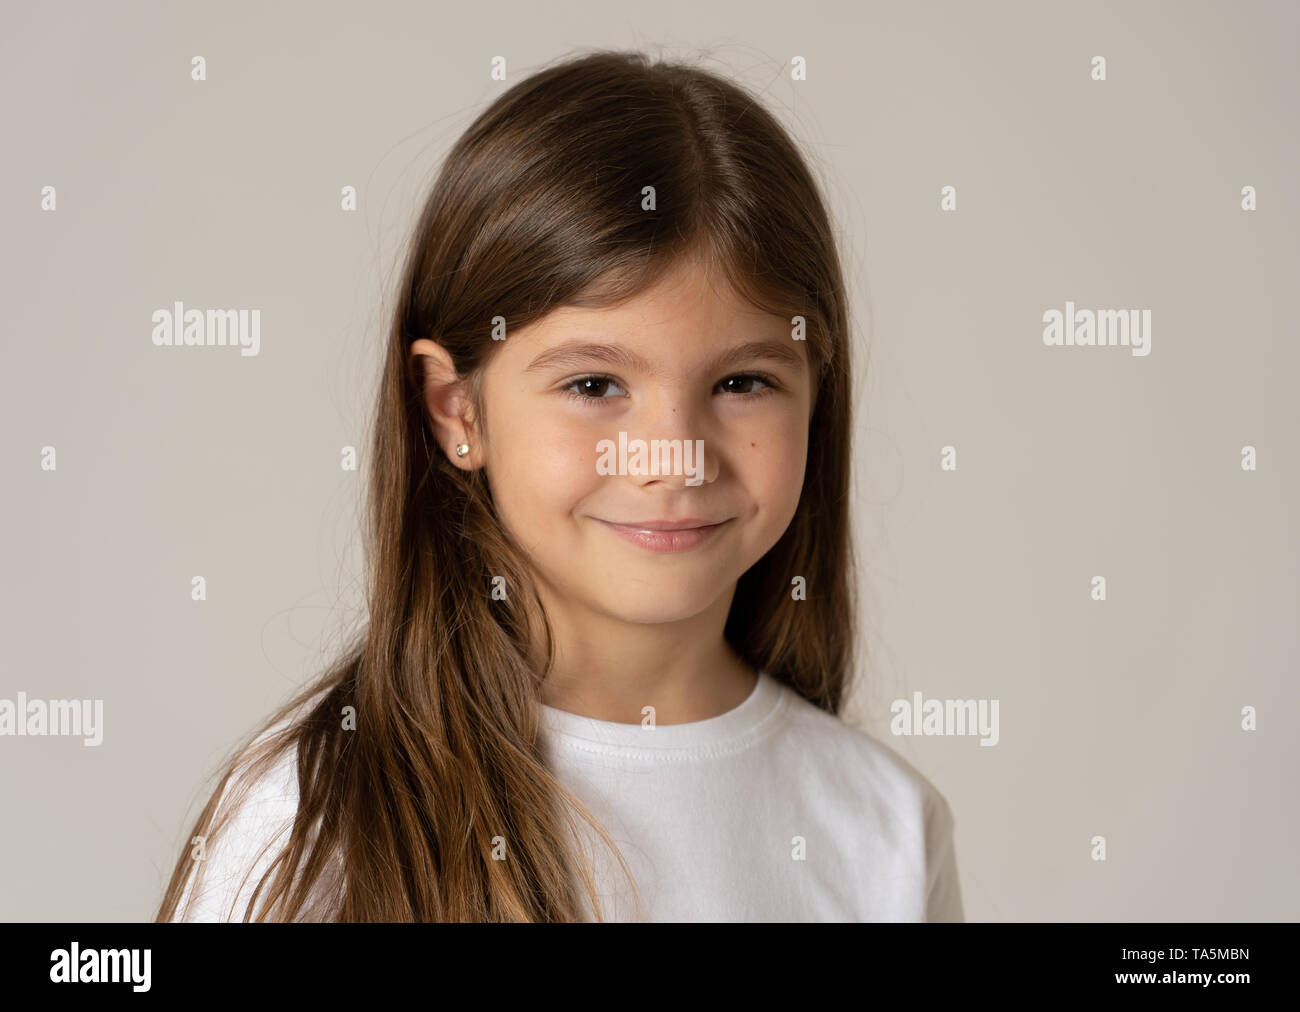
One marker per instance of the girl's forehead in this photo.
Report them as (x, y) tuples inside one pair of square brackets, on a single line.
[(688, 277), (648, 326), (686, 317), (706, 307)]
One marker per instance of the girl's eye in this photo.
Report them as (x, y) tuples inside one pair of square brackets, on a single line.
[(747, 378), (591, 389)]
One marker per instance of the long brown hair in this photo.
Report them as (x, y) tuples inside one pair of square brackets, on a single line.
[(540, 204)]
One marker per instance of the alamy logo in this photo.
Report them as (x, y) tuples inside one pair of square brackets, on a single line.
[(946, 716), (75, 965), (70, 717), (1104, 327), (181, 327), (660, 456)]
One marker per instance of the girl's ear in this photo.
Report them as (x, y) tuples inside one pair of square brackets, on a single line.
[(446, 399)]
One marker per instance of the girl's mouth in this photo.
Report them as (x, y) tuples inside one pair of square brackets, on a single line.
[(666, 535)]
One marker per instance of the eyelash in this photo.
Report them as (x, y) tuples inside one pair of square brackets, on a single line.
[(770, 386)]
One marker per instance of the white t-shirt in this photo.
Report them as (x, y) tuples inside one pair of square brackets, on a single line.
[(773, 811)]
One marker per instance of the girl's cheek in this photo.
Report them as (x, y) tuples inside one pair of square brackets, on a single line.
[(542, 435), (567, 453), (777, 465), (543, 478), (778, 439)]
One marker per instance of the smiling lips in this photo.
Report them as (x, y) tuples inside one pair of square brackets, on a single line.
[(667, 535)]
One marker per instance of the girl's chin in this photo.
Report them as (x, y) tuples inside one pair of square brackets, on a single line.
[(653, 608)]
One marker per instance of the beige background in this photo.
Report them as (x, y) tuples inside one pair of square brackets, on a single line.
[(1118, 719)]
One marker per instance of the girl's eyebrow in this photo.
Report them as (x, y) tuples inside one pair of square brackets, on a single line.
[(574, 353)]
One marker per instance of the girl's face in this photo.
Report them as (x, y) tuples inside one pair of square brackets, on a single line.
[(686, 361)]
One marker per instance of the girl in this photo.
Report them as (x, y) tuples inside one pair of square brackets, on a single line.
[(611, 601)]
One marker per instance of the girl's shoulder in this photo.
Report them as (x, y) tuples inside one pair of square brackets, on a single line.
[(882, 794), (865, 768), (249, 827)]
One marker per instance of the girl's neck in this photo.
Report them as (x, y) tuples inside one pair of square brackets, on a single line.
[(680, 692)]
